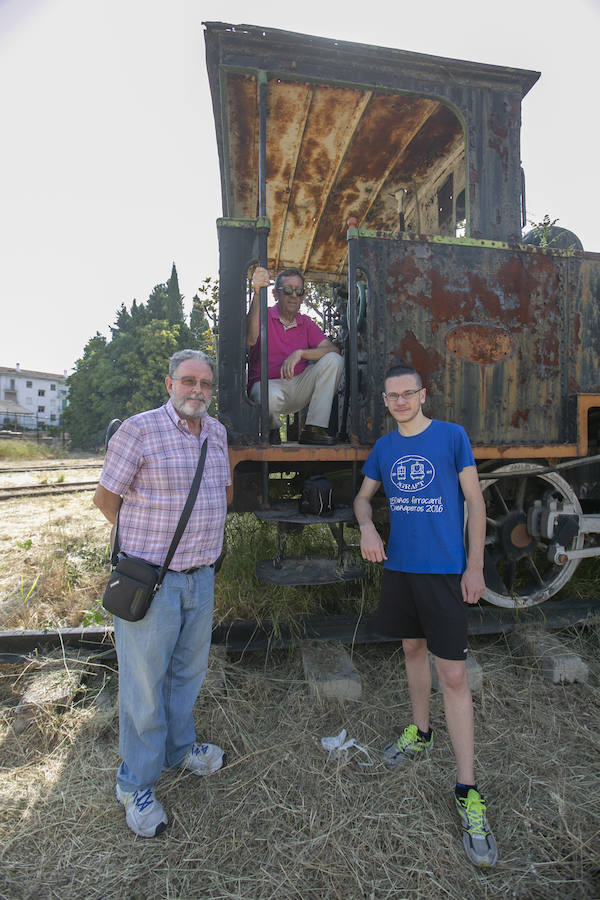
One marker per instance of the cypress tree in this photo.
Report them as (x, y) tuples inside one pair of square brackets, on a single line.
[(174, 305)]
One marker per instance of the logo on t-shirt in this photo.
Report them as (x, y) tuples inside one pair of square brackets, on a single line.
[(412, 473)]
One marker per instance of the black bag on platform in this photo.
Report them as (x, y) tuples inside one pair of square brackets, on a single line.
[(317, 496), (133, 582)]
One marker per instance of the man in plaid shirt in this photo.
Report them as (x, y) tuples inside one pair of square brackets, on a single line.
[(148, 471)]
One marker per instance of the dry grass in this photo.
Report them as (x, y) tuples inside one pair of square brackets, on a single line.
[(282, 820), (285, 821), (56, 563), (54, 560)]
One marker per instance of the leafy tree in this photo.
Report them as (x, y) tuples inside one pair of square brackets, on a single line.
[(204, 321), (139, 314), (85, 417), (157, 302), (123, 320), (125, 375)]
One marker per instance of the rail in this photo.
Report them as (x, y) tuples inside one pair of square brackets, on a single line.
[(242, 636), (43, 490), (7, 470)]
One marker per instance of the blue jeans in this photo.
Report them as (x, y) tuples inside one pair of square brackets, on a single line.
[(162, 664)]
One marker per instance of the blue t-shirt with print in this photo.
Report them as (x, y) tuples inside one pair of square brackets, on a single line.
[(419, 474)]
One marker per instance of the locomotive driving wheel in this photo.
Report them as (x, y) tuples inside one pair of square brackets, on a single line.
[(517, 568)]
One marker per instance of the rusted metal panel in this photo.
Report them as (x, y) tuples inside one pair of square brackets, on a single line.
[(489, 328), (242, 145), (312, 150), (584, 321), (381, 144), (349, 126)]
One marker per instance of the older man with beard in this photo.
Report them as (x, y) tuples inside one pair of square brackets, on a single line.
[(148, 471)]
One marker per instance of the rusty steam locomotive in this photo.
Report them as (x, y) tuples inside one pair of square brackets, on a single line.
[(395, 178)]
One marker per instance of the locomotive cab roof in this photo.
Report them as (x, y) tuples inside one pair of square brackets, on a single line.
[(394, 139)]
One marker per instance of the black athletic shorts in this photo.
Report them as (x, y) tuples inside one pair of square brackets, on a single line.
[(415, 605)]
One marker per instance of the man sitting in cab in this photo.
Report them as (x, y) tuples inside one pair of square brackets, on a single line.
[(294, 342)]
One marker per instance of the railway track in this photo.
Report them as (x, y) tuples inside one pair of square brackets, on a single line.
[(56, 467), (17, 491), (241, 636), (43, 490)]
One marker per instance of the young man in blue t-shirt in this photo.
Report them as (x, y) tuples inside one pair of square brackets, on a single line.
[(428, 473)]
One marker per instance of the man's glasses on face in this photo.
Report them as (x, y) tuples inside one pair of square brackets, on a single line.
[(188, 381), (288, 290), (406, 395)]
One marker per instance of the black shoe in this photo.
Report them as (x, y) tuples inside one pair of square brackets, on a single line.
[(274, 436), (314, 434)]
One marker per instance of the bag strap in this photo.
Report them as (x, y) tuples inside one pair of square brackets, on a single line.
[(183, 519)]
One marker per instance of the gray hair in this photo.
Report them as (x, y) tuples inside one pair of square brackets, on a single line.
[(182, 355)]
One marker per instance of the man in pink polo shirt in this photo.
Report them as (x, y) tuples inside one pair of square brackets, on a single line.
[(294, 342)]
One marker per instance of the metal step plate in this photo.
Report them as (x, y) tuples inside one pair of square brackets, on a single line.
[(289, 512), (298, 570)]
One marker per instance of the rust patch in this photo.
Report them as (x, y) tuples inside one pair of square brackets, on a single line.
[(520, 417), (497, 127), (576, 330), (243, 145), (426, 360), (430, 144), (483, 344)]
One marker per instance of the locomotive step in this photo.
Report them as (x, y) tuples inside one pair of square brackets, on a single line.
[(289, 512), (305, 570)]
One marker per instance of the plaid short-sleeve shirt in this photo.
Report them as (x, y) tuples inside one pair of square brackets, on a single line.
[(151, 462)]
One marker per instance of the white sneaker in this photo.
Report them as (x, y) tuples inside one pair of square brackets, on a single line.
[(143, 813), (204, 759)]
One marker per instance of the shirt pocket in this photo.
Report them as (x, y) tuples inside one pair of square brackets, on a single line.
[(170, 473)]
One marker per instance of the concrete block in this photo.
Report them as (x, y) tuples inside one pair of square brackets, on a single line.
[(474, 674), (558, 664), (329, 671)]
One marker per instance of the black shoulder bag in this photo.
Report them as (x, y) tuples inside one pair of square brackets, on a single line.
[(133, 582)]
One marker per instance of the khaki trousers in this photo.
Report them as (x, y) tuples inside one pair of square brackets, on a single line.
[(315, 388)]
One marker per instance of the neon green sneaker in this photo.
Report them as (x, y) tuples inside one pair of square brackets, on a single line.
[(478, 839), (410, 745)]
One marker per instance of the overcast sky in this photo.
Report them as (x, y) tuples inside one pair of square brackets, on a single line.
[(108, 160)]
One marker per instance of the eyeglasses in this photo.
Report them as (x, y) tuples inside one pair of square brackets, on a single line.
[(189, 381), (406, 395), (288, 291)]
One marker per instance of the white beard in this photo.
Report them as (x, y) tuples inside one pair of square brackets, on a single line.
[(189, 410)]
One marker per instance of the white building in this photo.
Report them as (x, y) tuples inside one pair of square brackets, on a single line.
[(30, 398)]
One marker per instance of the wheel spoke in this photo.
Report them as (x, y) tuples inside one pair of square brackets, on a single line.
[(508, 577), (520, 498), (490, 573), (496, 492), (535, 571)]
